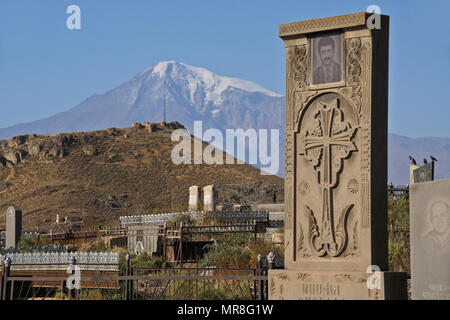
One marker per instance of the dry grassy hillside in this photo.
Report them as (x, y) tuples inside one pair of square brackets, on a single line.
[(101, 175)]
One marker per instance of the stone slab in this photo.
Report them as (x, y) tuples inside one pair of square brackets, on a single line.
[(194, 198), (209, 198), (430, 240), (336, 285), (13, 226)]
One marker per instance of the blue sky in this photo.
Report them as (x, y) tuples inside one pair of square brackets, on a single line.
[(46, 68)]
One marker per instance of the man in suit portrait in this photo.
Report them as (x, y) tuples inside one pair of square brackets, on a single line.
[(439, 235), (436, 244), (329, 70)]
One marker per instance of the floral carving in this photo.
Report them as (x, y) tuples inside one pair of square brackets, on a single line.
[(354, 68), (354, 94), (300, 67), (301, 244), (353, 186), (303, 187), (301, 99)]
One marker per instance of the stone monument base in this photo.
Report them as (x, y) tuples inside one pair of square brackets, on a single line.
[(336, 285)]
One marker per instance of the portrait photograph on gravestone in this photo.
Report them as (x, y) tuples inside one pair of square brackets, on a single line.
[(424, 173), (327, 59)]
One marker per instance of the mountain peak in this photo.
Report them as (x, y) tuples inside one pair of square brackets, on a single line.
[(161, 67), (200, 78)]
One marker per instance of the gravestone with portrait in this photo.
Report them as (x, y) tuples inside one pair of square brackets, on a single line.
[(336, 242), (424, 173), (430, 240)]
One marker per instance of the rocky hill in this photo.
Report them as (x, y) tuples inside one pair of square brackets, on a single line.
[(100, 175)]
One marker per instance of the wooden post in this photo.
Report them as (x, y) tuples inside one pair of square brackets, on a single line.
[(165, 242), (11, 294), (181, 244), (63, 284), (5, 277), (196, 283), (254, 225), (255, 283), (189, 284), (260, 273), (131, 283), (2, 265), (127, 273)]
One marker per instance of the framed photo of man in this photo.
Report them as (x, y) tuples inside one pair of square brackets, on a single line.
[(327, 55)]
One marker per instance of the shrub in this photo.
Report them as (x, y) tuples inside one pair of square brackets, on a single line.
[(27, 242), (398, 225)]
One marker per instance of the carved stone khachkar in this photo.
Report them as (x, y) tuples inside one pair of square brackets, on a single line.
[(336, 162)]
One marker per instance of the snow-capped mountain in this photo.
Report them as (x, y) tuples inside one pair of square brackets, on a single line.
[(202, 81), (191, 93), (220, 102)]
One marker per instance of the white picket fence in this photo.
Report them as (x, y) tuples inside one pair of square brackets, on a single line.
[(95, 261), (155, 219)]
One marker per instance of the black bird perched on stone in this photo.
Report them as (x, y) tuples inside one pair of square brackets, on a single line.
[(433, 158), (425, 161), (412, 160)]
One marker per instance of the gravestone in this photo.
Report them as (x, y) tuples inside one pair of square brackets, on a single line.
[(13, 226), (209, 198), (430, 240), (336, 162), (424, 173), (194, 197), (412, 168)]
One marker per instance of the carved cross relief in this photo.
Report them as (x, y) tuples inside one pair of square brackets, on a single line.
[(326, 143)]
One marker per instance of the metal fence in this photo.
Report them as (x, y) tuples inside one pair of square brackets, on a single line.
[(399, 191), (187, 283)]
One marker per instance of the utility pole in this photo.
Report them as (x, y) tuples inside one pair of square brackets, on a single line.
[(164, 101)]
